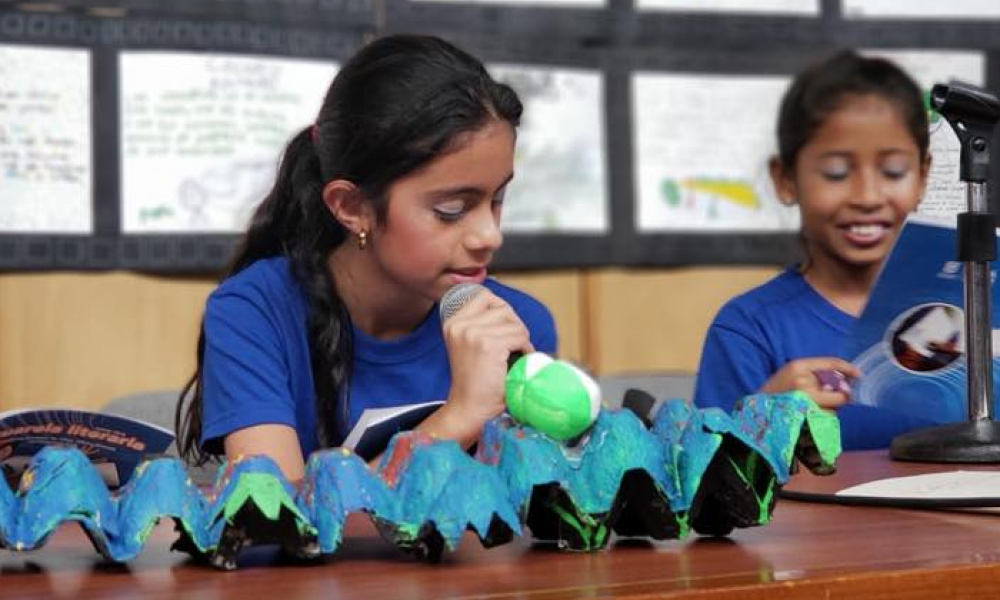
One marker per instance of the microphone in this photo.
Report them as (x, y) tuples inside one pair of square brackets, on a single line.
[(458, 296), (553, 396)]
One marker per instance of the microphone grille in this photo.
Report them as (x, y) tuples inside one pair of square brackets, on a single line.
[(456, 297)]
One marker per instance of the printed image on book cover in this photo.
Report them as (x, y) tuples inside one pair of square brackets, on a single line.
[(910, 340), (114, 444)]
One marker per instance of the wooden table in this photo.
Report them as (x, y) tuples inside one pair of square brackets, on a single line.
[(809, 551)]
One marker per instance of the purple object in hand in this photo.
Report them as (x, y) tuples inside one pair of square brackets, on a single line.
[(831, 380)]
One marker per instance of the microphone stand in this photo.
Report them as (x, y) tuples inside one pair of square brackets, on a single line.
[(973, 113)]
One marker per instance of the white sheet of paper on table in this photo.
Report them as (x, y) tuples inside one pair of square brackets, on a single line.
[(948, 484)]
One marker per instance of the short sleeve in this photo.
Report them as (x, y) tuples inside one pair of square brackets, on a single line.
[(246, 378), (535, 316), (734, 363), (542, 329)]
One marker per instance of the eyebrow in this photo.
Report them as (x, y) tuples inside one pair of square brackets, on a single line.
[(847, 153), (464, 190)]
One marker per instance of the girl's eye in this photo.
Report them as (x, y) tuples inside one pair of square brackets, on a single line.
[(450, 211), (895, 172), (835, 169), (835, 174)]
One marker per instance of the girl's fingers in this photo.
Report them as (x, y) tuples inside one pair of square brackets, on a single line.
[(484, 301), (847, 368), (827, 363), (491, 317), (510, 337), (490, 337), (483, 312), (828, 399)]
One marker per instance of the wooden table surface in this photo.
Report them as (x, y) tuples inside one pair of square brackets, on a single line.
[(808, 551)]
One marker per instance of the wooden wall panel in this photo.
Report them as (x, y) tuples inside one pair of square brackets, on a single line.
[(655, 320), (79, 340)]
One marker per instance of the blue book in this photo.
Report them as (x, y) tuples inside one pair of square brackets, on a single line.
[(910, 339), (114, 444)]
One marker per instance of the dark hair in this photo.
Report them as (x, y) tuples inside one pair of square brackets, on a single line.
[(397, 104), (823, 87)]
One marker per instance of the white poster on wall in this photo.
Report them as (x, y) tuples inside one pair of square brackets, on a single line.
[(701, 146), (46, 170), (560, 165), (201, 134), (773, 7), (945, 193), (697, 170), (921, 9)]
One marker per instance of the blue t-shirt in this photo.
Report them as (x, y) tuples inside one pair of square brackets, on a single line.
[(758, 332), (257, 367)]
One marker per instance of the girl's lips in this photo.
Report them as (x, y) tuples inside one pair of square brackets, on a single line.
[(477, 275), (865, 234)]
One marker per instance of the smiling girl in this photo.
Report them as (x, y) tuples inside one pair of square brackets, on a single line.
[(329, 307), (853, 155)]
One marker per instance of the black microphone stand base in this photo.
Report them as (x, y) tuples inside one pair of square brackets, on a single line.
[(967, 442)]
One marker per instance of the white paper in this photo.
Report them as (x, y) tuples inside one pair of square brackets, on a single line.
[(945, 195), (948, 484), (794, 7), (921, 9), (560, 164), (46, 169), (702, 143), (201, 134), (401, 417)]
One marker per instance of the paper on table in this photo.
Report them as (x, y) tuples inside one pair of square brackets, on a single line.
[(948, 484)]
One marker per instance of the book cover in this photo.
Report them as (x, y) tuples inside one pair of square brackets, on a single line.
[(910, 339), (375, 428), (114, 444)]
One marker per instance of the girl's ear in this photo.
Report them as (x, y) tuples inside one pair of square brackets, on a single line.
[(348, 206), (784, 182)]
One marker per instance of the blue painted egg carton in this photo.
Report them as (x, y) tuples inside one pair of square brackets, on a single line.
[(693, 470)]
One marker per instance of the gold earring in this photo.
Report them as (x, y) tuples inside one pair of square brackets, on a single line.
[(362, 239)]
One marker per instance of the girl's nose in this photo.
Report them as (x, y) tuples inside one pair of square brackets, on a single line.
[(867, 189), (484, 230)]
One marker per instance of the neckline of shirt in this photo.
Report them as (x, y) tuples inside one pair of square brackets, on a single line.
[(422, 340)]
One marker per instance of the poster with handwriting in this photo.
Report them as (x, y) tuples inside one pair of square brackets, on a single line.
[(701, 144), (46, 170), (201, 134), (774, 7), (695, 170), (560, 162), (921, 9), (945, 194)]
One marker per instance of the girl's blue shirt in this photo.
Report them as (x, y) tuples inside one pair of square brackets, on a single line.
[(785, 319), (257, 367)]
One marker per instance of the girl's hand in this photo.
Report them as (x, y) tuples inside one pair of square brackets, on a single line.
[(801, 375), (480, 337)]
